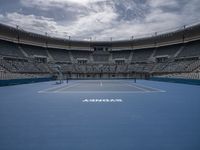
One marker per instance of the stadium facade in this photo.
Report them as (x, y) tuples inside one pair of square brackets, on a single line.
[(29, 55)]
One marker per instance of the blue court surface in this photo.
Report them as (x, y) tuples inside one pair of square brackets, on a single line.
[(100, 115)]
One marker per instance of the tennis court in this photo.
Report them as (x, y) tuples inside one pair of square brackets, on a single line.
[(100, 115), (102, 86)]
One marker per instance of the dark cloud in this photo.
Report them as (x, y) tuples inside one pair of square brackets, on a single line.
[(118, 18)]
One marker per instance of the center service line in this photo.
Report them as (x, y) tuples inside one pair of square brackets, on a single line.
[(101, 83)]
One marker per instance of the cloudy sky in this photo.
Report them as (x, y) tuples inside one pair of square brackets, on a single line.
[(99, 19)]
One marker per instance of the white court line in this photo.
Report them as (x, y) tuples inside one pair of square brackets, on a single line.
[(52, 88), (60, 90), (101, 92), (137, 87), (150, 87), (132, 85), (41, 91)]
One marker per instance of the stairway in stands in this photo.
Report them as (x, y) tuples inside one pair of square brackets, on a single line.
[(22, 51), (49, 55), (179, 51)]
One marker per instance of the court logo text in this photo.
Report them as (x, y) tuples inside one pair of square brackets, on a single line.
[(102, 101)]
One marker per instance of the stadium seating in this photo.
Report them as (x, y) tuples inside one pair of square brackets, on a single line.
[(164, 54), (140, 60), (195, 76), (80, 54), (34, 50), (10, 49), (167, 51), (60, 55), (120, 54), (101, 56), (142, 55), (191, 49)]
